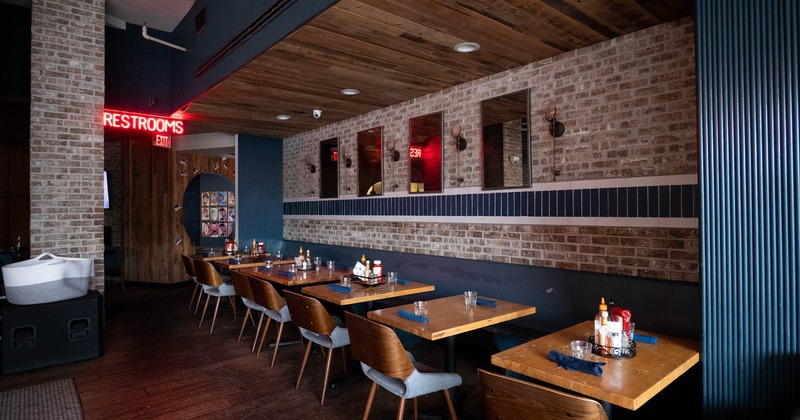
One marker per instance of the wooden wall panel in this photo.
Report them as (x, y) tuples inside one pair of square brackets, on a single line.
[(153, 184)]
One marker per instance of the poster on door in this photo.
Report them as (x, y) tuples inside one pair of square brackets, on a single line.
[(217, 213)]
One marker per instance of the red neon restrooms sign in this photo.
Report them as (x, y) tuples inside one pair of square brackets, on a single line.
[(152, 123)]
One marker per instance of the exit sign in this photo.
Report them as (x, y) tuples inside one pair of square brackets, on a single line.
[(161, 140)]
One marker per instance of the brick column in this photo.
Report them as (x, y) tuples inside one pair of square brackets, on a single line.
[(67, 96)]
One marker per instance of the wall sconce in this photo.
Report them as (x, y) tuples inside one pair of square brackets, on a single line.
[(347, 161), (455, 132), (556, 128), (393, 152), (514, 160), (311, 167)]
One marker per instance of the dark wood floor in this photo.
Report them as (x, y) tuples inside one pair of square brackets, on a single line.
[(158, 364)]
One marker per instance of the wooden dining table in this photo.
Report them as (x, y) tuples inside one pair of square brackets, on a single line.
[(230, 263), (627, 383), (448, 317), (281, 275), (361, 294)]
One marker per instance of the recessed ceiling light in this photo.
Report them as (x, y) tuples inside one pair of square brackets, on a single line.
[(282, 117), (467, 47), (349, 92)]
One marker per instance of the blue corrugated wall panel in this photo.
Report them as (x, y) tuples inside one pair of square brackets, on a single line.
[(749, 122), (259, 186)]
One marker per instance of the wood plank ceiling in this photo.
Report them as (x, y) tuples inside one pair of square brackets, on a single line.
[(396, 50)]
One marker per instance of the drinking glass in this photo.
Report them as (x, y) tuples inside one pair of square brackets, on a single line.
[(470, 298), (391, 277), (421, 307), (580, 349), (331, 265)]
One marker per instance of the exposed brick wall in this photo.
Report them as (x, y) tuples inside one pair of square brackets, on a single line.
[(629, 108), (67, 94)]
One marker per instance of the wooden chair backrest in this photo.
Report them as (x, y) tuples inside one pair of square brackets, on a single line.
[(264, 294), (308, 313), (207, 274), (377, 346), (506, 397), (241, 284), (188, 265)]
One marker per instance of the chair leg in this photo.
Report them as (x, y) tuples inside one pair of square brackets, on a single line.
[(258, 331), (327, 373), (277, 344), (263, 336), (369, 400), (233, 305), (205, 307), (344, 359), (416, 409), (199, 298), (450, 405), (216, 310), (194, 292), (402, 409), (244, 322), (303, 366)]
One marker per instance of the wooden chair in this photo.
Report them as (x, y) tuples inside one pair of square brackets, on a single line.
[(317, 326), (506, 397), (275, 308), (213, 285), (188, 266), (385, 361), (241, 284)]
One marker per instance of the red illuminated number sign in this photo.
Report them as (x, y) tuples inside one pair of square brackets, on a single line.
[(160, 140), (334, 156), (414, 152)]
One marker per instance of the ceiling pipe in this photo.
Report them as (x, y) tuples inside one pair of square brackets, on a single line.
[(150, 38)]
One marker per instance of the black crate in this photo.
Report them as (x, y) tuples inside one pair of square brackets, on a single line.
[(49, 334)]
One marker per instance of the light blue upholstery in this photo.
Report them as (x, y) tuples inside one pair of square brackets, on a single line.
[(338, 338)]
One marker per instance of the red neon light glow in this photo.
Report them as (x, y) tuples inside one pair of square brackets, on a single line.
[(415, 152), (334, 156), (152, 123)]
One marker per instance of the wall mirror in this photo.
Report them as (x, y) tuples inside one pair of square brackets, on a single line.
[(370, 161), (329, 168), (505, 141), (425, 153)]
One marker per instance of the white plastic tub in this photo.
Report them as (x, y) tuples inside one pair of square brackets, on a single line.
[(47, 278)]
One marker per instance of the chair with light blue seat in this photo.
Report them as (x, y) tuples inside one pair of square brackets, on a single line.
[(275, 308), (318, 327), (213, 285), (241, 284), (188, 266), (385, 361)]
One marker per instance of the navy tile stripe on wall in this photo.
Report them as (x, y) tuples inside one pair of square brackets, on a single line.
[(678, 201)]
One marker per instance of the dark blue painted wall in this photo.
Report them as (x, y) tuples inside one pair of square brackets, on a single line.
[(138, 69), (16, 52), (259, 176)]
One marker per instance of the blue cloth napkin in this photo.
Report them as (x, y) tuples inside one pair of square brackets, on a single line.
[(231, 261), (340, 288), (572, 363), (286, 273), (403, 282), (412, 316), (264, 269), (648, 339), (486, 302)]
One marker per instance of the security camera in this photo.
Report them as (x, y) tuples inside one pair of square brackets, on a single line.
[(317, 113)]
